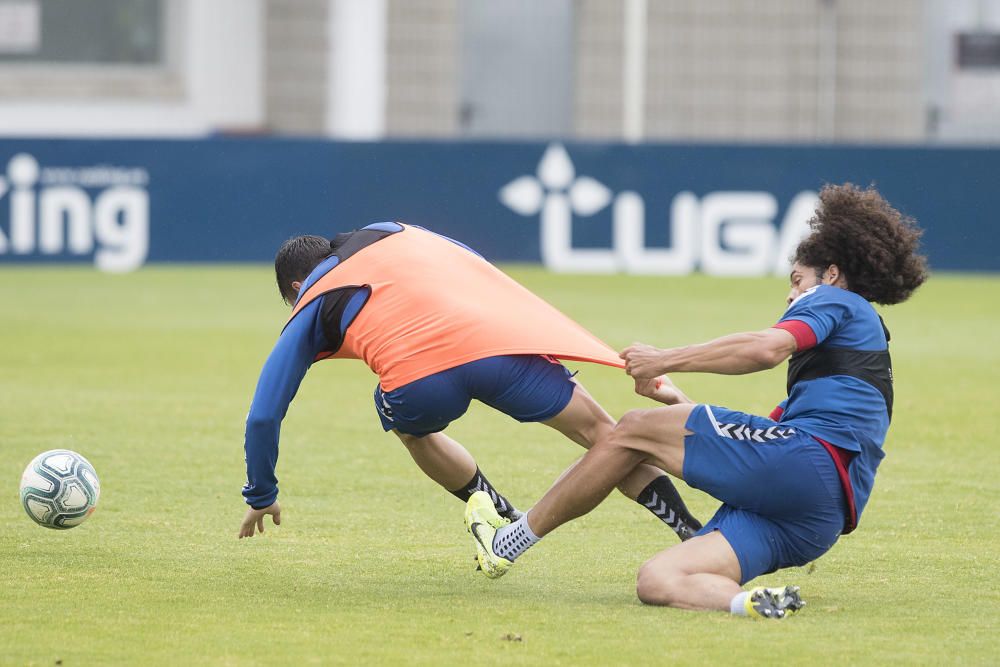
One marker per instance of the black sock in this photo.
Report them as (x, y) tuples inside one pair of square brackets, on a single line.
[(661, 498), (479, 483)]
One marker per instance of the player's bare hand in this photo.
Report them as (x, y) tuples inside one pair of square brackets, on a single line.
[(660, 389), (643, 361), (254, 519)]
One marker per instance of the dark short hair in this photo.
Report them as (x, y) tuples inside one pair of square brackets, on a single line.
[(296, 259), (876, 247)]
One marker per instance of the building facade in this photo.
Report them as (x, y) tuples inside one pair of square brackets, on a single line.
[(896, 71)]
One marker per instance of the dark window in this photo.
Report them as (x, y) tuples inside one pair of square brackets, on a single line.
[(979, 50), (125, 32)]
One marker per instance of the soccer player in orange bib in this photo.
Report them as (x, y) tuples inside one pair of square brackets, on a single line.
[(440, 326)]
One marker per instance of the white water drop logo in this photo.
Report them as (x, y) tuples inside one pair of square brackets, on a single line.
[(558, 194), (725, 233)]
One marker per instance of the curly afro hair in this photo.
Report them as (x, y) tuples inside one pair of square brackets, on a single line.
[(875, 246)]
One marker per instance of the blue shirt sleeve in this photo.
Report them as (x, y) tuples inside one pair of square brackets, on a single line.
[(823, 308), (280, 378)]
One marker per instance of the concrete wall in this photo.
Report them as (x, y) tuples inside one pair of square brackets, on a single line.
[(422, 68), (767, 70), (719, 70), (799, 70), (597, 106), (296, 70)]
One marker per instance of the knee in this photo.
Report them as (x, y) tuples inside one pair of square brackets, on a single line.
[(656, 585), (630, 422), (594, 432), (629, 430)]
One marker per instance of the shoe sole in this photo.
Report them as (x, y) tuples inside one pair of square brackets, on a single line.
[(777, 605)]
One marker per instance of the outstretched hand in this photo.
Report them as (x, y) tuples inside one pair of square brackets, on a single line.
[(660, 389), (643, 361), (254, 519)]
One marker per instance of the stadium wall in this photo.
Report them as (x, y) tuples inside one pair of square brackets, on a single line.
[(578, 207)]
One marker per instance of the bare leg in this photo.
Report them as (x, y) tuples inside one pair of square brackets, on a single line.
[(653, 436), (586, 423), (583, 421), (702, 573), (442, 459), (450, 465)]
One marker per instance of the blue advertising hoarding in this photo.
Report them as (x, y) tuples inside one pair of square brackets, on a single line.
[(589, 207)]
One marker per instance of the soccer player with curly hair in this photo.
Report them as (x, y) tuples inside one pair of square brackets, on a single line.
[(791, 483)]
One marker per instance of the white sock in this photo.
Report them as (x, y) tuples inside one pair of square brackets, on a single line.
[(736, 606), (514, 539)]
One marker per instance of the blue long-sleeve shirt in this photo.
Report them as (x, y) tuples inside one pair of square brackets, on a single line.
[(299, 344), (279, 380)]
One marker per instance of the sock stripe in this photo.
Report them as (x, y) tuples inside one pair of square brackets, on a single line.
[(660, 497), (480, 483)]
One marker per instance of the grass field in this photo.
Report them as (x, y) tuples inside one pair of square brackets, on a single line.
[(150, 375)]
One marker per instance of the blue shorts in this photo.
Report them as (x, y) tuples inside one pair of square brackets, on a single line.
[(783, 504), (529, 388)]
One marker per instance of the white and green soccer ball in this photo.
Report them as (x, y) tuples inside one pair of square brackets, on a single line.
[(59, 489)]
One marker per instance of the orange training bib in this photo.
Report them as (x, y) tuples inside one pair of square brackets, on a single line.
[(434, 305)]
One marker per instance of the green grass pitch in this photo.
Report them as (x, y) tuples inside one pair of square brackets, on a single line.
[(150, 375)]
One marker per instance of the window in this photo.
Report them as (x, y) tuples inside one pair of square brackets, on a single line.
[(96, 32), (516, 68)]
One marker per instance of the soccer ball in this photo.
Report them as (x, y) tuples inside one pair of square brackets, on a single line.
[(59, 489)]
